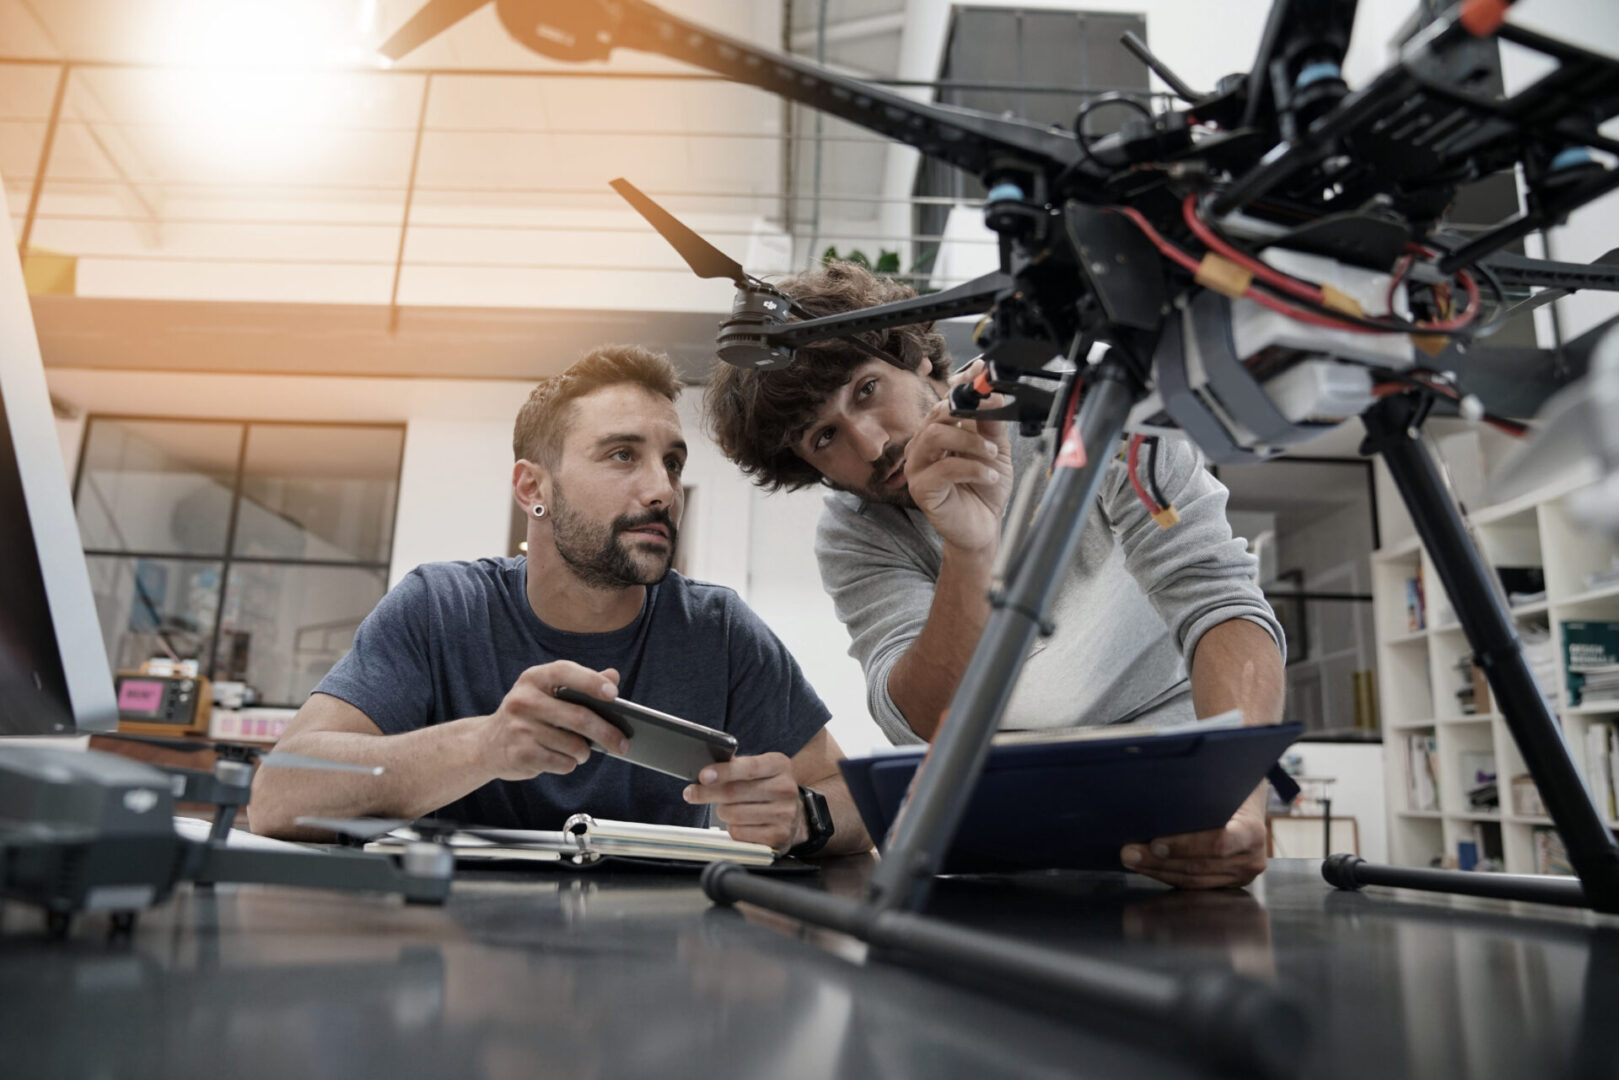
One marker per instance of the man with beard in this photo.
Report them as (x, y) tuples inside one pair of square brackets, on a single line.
[(1152, 624), (451, 683)]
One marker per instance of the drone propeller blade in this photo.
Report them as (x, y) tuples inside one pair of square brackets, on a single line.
[(705, 260), (430, 20), (282, 760), (360, 828)]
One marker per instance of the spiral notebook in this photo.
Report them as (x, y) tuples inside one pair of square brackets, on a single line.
[(584, 839)]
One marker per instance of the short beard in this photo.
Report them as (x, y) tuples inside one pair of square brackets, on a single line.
[(598, 555), (875, 490)]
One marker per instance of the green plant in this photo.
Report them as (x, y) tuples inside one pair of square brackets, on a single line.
[(887, 263)]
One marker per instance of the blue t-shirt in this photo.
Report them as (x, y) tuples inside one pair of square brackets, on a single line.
[(451, 639)]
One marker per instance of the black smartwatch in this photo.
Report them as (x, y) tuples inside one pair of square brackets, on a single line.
[(819, 819)]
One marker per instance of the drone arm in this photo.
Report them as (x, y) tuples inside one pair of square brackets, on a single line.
[(970, 140), (343, 870), (967, 298), (1516, 271)]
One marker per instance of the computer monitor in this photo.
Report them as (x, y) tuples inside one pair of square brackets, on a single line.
[(54, 678)]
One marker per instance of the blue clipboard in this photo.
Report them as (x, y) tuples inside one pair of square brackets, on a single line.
[(1073, 805)]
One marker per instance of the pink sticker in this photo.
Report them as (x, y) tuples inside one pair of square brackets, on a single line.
[(140, 696)]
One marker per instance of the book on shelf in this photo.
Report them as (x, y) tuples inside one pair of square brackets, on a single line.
[(1601, 748), (1416, 607), (1364, 683), (1483, 852), (1422, 772), (1473, 695), (1526, 800), (1591, 657), (1551, 854), (1540, 652)]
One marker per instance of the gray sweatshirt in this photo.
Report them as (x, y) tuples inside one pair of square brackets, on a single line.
[(1131, 611)]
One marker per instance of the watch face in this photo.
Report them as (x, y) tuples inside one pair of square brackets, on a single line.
[(817, 815)]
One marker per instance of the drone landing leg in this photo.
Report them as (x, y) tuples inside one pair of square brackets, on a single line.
[(1391, 428)]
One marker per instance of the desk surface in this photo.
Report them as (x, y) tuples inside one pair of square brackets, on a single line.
[(596, 975)]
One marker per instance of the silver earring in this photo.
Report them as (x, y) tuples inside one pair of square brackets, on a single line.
[(539, 510)]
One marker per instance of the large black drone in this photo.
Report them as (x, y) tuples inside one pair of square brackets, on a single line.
[(1262, 261)]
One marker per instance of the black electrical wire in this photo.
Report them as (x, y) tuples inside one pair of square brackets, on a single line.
[(1082, 140), (1152, 474)]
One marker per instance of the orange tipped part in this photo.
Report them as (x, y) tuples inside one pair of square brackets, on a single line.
[(1481, 18)]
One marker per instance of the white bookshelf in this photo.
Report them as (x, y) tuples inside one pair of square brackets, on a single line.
[(1416, 682)]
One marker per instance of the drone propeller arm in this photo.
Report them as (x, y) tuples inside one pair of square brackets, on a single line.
[(968, 298), (341, 870), (1517, 271), (974, 141)]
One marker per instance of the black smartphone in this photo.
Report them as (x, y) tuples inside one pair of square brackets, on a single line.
[(657, 740)]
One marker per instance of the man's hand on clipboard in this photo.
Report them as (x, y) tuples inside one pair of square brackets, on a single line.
[(1214, 859)]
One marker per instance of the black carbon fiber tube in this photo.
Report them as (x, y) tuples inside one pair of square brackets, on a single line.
[(1239, 1025), (1354, 872)]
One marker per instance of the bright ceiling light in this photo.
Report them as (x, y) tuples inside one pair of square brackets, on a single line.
[(249, 85)]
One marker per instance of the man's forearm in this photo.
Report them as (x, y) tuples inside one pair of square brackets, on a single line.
[(922, 681), (849, 837), (424, 770), (1237, 666)]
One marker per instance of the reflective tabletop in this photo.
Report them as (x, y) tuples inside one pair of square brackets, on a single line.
[(618, 974)]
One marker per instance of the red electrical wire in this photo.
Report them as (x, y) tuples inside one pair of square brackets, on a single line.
[(1187, 262), (1135, 482), (1385, 389), (1264, 272), (1401, 268), (1467, 314), (1311, 292)]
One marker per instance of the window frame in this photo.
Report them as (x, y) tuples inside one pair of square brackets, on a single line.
[(228, 557)]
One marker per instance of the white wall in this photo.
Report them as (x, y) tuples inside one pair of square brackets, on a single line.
[(785, 589), (454, 492), (1357, 769)]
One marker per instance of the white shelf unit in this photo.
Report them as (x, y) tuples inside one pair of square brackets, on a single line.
[(1417, 682)]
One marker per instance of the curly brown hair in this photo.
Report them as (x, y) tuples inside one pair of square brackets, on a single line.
[(754, 415), (543, 421)]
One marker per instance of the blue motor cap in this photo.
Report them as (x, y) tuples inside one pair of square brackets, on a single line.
[(1004, 190), (1316, 72), (1570, 157)]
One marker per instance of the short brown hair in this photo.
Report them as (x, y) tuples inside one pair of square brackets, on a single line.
[(753, 415), (544, 419)]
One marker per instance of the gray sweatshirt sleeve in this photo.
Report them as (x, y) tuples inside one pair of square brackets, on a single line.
[(880, 576), (1196, 574)]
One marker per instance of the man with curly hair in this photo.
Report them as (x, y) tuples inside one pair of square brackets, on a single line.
[(1152, 624)]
